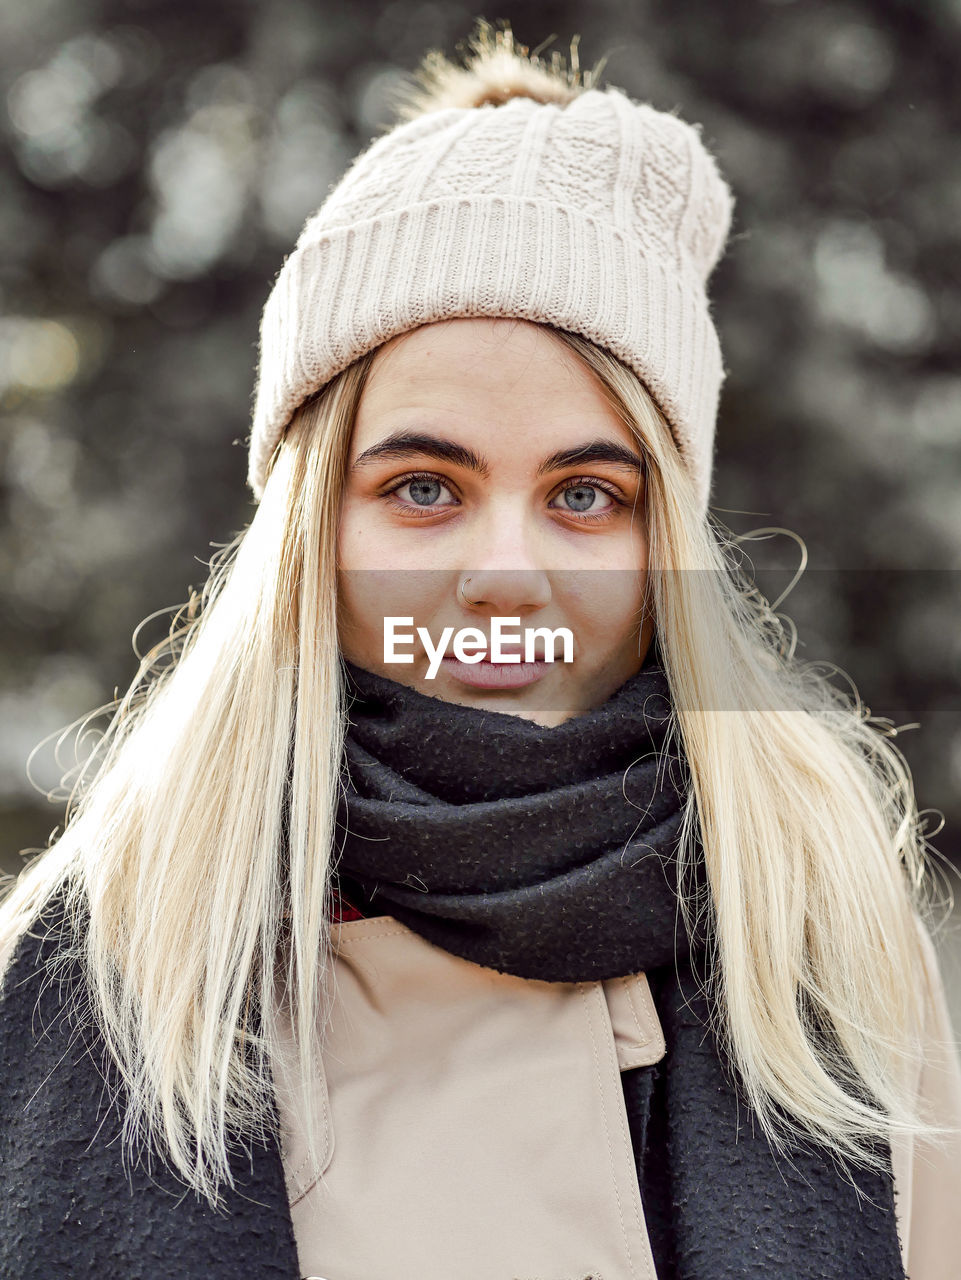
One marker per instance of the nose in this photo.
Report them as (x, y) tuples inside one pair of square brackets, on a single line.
[(504, 592), (504, 562)]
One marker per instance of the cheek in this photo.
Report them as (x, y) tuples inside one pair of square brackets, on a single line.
[(360, 587), (354, 550), (357, 627), (607, 605), (366, 597)]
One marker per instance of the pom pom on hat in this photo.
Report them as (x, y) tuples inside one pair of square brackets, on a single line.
[(497, 70)]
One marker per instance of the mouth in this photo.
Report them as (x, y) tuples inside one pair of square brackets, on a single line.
[(496, 675)]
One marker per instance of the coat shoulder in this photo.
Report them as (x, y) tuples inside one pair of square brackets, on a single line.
[(72, 1200), (40, 992)]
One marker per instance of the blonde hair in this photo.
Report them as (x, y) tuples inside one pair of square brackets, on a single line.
[(200, 833)]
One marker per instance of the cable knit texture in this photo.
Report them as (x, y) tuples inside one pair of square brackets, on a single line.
[(604, 217)]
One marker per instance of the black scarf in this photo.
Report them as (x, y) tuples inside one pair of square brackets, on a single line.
[(550, 853)]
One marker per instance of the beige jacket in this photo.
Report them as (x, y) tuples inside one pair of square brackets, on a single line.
[(488, 1063)]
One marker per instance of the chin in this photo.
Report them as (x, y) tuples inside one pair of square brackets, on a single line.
[(537, 704)]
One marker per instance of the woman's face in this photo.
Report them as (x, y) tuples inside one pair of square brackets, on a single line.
[(485, 456)]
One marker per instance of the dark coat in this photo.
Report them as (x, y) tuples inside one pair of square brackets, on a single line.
[(68, 1206)]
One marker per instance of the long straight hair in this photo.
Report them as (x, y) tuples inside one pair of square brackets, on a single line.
[(199, 838)]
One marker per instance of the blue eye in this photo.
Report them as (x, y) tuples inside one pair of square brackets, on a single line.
[(424, 491), (582, 496)]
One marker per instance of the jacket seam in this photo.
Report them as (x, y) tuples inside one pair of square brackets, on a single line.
[(599, 1081)]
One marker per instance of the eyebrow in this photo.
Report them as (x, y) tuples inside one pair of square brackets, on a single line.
[(404, 444), (608, 451)]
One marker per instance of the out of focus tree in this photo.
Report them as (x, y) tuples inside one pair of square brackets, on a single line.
[(159, 159)]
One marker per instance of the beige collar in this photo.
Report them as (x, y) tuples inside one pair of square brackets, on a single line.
[(470, 1122)]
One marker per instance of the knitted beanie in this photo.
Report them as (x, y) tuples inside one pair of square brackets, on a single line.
[(571, 206)]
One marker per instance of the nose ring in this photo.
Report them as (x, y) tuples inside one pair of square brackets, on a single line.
[(463, 593)]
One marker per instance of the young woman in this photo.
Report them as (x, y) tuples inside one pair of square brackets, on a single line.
[(374, 950)]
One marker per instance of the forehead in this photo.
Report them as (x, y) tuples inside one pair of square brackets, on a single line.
[(461, 364)]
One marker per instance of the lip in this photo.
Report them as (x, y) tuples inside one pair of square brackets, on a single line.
[(495, 675)]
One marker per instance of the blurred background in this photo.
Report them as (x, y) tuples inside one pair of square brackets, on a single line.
[(158, 159)]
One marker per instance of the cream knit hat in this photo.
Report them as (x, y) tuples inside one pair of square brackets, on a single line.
[(572, 206)]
